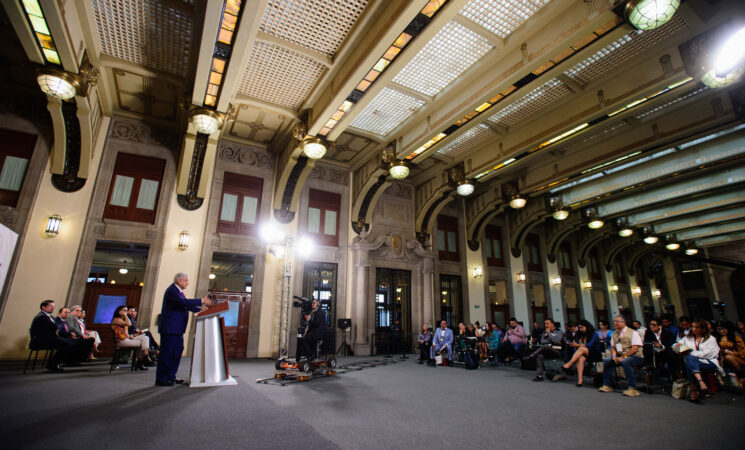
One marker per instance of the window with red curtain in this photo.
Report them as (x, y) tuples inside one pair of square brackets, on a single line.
[(240, 204), (493, 246), (533, 253), (15, 154), (135, 188), (565, 259), (447, 238), (323, 217)]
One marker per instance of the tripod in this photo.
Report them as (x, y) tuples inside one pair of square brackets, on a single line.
[(343, 349)]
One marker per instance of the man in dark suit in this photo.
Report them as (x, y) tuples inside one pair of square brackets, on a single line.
[(316, 328), (174, 316), (82, 346), (662, 340), (44, 335)]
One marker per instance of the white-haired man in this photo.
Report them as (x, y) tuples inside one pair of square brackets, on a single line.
[(626, 351), (174, 316)]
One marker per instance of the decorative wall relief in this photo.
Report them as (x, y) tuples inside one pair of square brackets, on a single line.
[(245, 155), (330, 174), (141, 133)]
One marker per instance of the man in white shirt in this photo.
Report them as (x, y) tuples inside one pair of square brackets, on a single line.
[(443, 339), (626, 351)]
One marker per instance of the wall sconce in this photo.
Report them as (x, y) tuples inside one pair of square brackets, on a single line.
[(556, 281), (521, 277), (657, 293), (478, 272), (613, 288), (587, 284), (183, 240), (53, 226), (637, 290), (212, 276)]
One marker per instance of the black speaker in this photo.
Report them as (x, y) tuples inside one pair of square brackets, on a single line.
[(344, 323)]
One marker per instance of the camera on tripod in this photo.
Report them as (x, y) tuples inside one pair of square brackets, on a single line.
[(305, 305)]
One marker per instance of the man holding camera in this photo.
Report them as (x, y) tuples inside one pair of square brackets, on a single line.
[(314, 332), (174, 316)]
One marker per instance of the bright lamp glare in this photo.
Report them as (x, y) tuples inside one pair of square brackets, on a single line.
[(399, 172), (730, 54), (560, 214), (625, 232), (672, 246), (305, 247), (651, 240), (314, 148), (123, 271), (518, 202), (691, 251), (464, 189), (595, 224), (271, 233)]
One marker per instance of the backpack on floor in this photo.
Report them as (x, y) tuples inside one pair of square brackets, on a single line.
[(471, 361)]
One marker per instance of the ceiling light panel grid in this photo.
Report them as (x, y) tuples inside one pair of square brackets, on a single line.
[(319, 25), (451, 52), (501, 17), (654, 108), (621, 50), (386, 111), (470, 139), (280, 76), (591, 135), (145, 32), (531, 103)]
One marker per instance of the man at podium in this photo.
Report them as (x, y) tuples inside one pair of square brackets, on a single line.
[(174, 316)]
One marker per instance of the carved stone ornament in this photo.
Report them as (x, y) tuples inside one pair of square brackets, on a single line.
[(393, 246), (245, 155), (330, 174), (400, 190), (140, 133)]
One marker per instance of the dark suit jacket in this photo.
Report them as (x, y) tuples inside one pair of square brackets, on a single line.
[(63, 330), (317, 324), (133, 327), (175, 311), (666, 337), (43, 331)]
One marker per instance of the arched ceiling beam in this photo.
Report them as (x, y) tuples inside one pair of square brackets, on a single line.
[(559, 233), (431, 209), (615, 249)]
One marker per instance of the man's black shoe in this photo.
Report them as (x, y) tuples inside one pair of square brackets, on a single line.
[(178, 380), (164, 383), (55, 369), (538, 378)]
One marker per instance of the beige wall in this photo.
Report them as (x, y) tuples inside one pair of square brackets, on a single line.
[(45, 265)]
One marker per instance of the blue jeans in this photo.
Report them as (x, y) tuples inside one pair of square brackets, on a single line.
[(628, 365), (694, 365)]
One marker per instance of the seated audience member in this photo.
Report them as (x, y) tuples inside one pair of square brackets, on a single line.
[(535, 333), (662, 341), (701, 352), (514, 340), (120, 325), (626, 351), (500, 332), (604, 333), (637, 326), (492, 339), (731, 346), (711, 325), (551, 345), (586, 347), (442, 341), (480, 341), (570, 336), (78, 326), (741, 328), (667, 322), (134, 331), (684, 327), (83, 345), (425, 342), (460, 342), (44, 335)]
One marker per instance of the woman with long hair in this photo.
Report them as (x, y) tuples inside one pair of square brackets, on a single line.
[(701, 353), (586, 347), (120, 324), (731, 346)]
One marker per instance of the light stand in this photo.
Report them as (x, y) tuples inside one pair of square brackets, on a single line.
[(343, 349), (284, 315)]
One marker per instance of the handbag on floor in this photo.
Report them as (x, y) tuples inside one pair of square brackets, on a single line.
[(680, 389)]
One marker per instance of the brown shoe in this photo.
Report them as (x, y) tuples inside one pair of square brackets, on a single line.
[(606, 389), (631, 392)]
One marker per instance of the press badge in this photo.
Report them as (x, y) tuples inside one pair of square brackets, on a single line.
[(619, 347)]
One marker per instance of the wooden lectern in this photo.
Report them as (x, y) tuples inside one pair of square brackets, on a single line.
[(209, 362)]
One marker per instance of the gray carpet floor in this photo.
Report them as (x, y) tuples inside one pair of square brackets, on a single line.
[(402, 405)]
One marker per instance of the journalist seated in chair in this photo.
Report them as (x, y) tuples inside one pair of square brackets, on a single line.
[(306, 348), (77, 325), (514, 341), (626, 351), (461, 341), (701, 353), (44, 336), (684, 327), (731, 346), (120, 325), (550, 346), (441, 341), (82, 345), (604, 332), (425, 342), (492, 340), (134, 331), (662, 340), (586, 348)]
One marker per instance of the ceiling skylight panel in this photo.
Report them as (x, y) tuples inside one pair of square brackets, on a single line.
[(530, 103), (501, 17), (450, 53), (386, 111), (468, 140)]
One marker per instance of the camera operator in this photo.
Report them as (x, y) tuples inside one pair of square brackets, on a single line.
[(316, 325)]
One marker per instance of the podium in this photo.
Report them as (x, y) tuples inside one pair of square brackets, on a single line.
[(209, 362)]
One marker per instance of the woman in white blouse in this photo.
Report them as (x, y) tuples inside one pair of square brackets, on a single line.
[(703, 355)]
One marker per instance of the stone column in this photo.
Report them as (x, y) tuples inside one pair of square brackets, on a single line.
[(588, 309), (427, 290), (555, 300), (360, 302), (519, 291), (612, 296)]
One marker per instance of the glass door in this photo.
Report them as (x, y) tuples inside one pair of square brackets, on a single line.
[(319, 283), (500, 309), (392, 303), (451, 300)]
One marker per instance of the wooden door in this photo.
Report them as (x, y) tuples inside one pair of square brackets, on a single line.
[(99, 303), (500, 314), (236, 320)]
